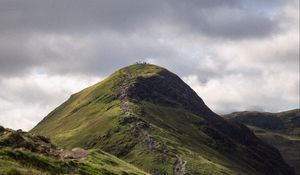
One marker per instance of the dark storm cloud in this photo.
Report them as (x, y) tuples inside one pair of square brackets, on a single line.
[(232, 24), (14, 56), (72, 15), (110, 52), (91, 55), (130, 15), (22, 23)]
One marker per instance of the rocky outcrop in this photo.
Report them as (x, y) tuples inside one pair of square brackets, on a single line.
[(37, 144), (179, 166)]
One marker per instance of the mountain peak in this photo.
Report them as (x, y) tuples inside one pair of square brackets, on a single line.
[(142, 69), (151, 83), (160, 86), (148, 116)]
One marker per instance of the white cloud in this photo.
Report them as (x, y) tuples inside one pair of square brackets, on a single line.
[(273, 91), (25, 101), (255, 74)]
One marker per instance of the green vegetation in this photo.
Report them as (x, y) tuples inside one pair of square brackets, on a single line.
[(25, 162), (35, 155), (91, 112), (282, 130), (150, 118), (287, 123)]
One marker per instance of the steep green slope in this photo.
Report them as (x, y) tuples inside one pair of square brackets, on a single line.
[(149, 117), (282, 130), (26, 154)]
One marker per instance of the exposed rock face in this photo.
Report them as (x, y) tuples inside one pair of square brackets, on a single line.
[(23, 140), (38, 144), (75, 153), (166, 88), (179, 166)]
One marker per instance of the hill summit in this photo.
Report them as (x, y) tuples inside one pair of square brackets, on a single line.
[(149, 117)]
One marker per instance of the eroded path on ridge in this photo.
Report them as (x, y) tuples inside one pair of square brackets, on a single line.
[(150, 141), (140, 125), (123, 88)]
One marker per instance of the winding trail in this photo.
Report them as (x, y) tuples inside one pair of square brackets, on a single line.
[(179, 165), (123, 95), (148, 138)]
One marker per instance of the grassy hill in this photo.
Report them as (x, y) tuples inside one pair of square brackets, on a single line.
[(149, 117), (22, 153), (287, 122), (281, 130)]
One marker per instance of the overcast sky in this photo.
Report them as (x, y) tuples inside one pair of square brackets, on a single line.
[(236, 54)]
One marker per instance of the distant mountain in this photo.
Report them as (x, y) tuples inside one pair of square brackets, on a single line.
[(281, 130), (28, 154), (149, 117), (287, 122)]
